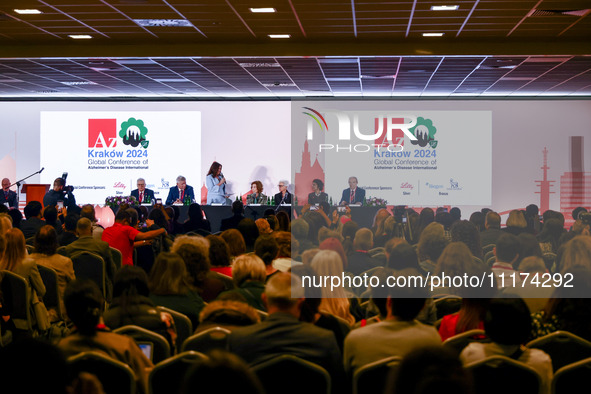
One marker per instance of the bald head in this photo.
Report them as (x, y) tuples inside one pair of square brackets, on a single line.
[(84, 227), (5, 184)]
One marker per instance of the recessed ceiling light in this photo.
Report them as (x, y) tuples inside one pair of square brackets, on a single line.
[(163, 22), (444, 7), (80, 36), (433, 34), (279, 35), (263, 10), (77, 83), (28, 12)]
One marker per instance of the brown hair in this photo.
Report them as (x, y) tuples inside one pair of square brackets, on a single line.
[(235, 242), (15, 251), (169, 275), (259, 186), (46, 240)]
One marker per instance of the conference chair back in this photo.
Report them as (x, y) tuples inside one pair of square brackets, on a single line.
[(51, 299), (572, 378), (208, 340), (457, 343), (563, 347), (184, 327), (167, 376), (372, 378), (499, 374), (117, 257), (160, 346), (447, 305), (284, 368), (16, 299), (115, 376), (91, 266)]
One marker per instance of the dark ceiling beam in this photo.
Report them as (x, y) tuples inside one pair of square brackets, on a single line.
[(440, 47)]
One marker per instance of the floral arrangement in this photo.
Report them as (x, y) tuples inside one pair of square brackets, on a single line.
[(115, 201), (375, 202)]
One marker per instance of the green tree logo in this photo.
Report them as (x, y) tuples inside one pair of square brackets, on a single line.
[(425, 133), (133, 132)]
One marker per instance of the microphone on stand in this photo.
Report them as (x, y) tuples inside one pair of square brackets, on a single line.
[(41, 170)]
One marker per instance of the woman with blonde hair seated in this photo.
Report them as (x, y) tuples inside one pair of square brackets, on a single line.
[(257, 196), (249, 274), (335, 302)]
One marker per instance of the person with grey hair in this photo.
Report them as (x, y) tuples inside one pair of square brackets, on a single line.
[(282, 332), (353, 195), (143, 195), (284, 196), (181, 192)]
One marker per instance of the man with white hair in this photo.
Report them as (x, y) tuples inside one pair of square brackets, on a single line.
[(283, 197), (181, 192), (142, 194), (283, 333)]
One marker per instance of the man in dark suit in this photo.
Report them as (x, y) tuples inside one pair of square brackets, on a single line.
[(142, 194), (354, 194), (283, 333), (7, 195), (232, 222), (33, 218), (283, 197), (87, 243), (180, 192)]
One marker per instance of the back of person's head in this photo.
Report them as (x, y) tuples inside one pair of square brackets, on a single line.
[(529, 246), (433, 369), (550, 214), (312, 294), (403, 256), (221, 372), (130, 281), (71, 221), (363, 239), (84, 226), (283, 221), (516, 219), (228, 312), (158, 217), (432, 242), (46, 240), (507, 248), (553, 229), (577, 253), (88, 212), (195, 212), (219, 252), (577, 211), (33, 209), (493, 220), (285, 243), (134, 216), (455, 260), (444, 218), (248, 267), (249, 231), (532, 210), (194, 250), (17, 217), (169, 275), (326, 233), (350, 229), (263, 226), (235, 242), (14, 251), (50, 214), (335, 245), (407, 298), (123, 216), (508, 321), (33, 366), (455, 213), (84, 303), (391, 244), (466, 232), (379, 295), (266, 248), (532, 264), (283, 291), (299, 229), (237, 208), (477, 218), (327, 263)]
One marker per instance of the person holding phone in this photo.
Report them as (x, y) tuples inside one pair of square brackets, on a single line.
[(216, 185)]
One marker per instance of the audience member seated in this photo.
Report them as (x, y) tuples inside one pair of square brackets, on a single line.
[(507, 253), (84, 305), (508, 324), (470, 317), (227, 314), (249, 274), (196, 222), (69, 234), (568, 309), (335, 302), (431, 370), (283, 333), (132, 307), (219, 255), (5, 223), (403, 256), (45, 255), (170, 287), (17, 217), (360, 261), (576, 252), (33, 219), (50, 217), (235, 242), (380, 235), (266, 248), (221, 372), (299, 230), (263, 226), (549, 238), (492, 223), (122, 235), (89, 213), (15, 259), (477, 218), (529, 247), (288, 251), (87, 243), (431, 245), (466, 232), (426, 217), (194, 250), (250, 233), (536, 297), (398, 335), (516, 223), (283, 221), (237, 216)]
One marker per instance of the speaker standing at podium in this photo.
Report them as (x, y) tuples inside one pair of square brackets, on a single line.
[(8, 196), (59, 194)]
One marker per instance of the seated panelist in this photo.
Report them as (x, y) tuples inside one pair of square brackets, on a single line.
[(257, 196)]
